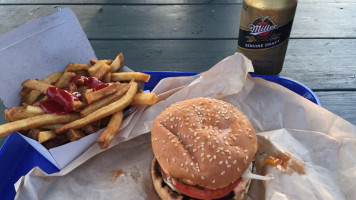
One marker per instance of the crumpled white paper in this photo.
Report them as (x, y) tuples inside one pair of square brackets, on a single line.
[(283, 120)]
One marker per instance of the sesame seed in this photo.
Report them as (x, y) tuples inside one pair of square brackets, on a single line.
[(213, 181), (191, 164), (193, 175), (228, 166), (226, 143), (184, 154), (245, 150), (234, 162), (226, 162), (229, 157), (214, 157), (238, 169), (194, 150), (181, 164), (202, 154), (222, 173), (211, 159), (221, 162), (173, 159), (202, 177)]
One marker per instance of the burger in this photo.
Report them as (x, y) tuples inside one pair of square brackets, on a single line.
[(202, 147)]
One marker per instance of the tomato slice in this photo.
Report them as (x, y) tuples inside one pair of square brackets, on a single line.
[(198, 193)]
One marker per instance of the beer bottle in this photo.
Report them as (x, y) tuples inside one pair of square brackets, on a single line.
[(264, 33)]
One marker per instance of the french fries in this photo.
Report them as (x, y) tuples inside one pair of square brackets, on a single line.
[(105, 101), (66, 106), (95, 96), (31, 97), (36, 121), (105, 111)]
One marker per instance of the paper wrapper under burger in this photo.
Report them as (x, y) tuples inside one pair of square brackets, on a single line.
[(283, 120)]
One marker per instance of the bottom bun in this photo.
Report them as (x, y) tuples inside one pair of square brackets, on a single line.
[(166, 193)]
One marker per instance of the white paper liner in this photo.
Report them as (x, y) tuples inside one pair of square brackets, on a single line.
[(323, 141)]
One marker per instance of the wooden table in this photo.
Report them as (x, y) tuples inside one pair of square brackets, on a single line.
[(192, 36)]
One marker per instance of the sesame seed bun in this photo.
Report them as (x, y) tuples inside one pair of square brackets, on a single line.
[(203, 142)]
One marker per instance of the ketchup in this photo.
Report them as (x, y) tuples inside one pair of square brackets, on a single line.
[(51, 106), (60, 101), (90, 82)]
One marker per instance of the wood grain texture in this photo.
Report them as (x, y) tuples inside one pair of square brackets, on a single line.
[(328, 20), (339, 103), (319, 64)]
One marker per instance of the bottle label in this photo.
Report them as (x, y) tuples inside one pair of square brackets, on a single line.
[(263, 34)]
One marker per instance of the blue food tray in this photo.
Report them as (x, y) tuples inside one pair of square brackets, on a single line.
[(17, 157)]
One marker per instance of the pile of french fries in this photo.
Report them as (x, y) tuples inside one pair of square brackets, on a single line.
[(96, 109)]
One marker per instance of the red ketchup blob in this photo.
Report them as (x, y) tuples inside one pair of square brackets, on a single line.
[(90, 82), (59, 101)]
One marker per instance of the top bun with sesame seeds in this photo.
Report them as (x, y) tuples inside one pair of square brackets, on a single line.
[(203, 142)]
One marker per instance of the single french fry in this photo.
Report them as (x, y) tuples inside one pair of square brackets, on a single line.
[(23, 112), (105, 111), (99, 70), (144, 99), (77, 105), (107, 78), (44, 136), (108, 134), (36, 121), (32, 96), (105, 101), (99, 94), (74, 67), (51, 126), (128, 76), (93, 62), (36, 85), (25, 91), (102, 71), (64, 80), (117, 63), (74, 134)]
